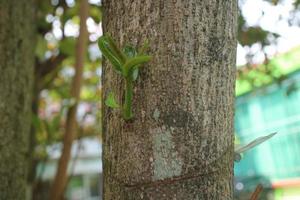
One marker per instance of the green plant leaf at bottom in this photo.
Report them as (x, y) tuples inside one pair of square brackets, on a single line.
[(111, 101)]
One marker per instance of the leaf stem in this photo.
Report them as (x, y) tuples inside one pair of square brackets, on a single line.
[(127, 107)]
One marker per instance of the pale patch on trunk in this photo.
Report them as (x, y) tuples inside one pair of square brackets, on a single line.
[(167, 162)]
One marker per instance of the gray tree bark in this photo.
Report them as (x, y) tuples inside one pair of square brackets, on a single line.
[(17, 29), (180, 144)]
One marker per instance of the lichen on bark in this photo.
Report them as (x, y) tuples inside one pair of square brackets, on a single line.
[(167, 162)]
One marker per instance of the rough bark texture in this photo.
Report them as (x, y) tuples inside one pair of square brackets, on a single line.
[(17, 29), (61, 177), (180, 144)]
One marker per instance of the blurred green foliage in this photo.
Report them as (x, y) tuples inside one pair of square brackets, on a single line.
[(253, 75), (57, 25)]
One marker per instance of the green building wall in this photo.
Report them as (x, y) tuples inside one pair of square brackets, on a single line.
[(274, 108)]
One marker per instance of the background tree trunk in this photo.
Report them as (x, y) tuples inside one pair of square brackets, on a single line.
[(17, 30), (180, 144), (61, 177)]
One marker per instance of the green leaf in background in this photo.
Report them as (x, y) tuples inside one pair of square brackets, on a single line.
[(111, 101), (41, 47), (68, 103), (96, 13), (67, 46)]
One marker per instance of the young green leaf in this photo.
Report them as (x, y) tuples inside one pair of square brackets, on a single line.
[(109, 54), (135, 62), (135, 74), (144, 48), (114, 48), (127, 63), (129, 51), (111, 101)]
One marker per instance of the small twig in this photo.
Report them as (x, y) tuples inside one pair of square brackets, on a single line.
[(256, 192)]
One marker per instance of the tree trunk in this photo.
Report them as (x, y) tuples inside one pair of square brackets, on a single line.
[(180, 143), (61, 177), (17, 30)]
